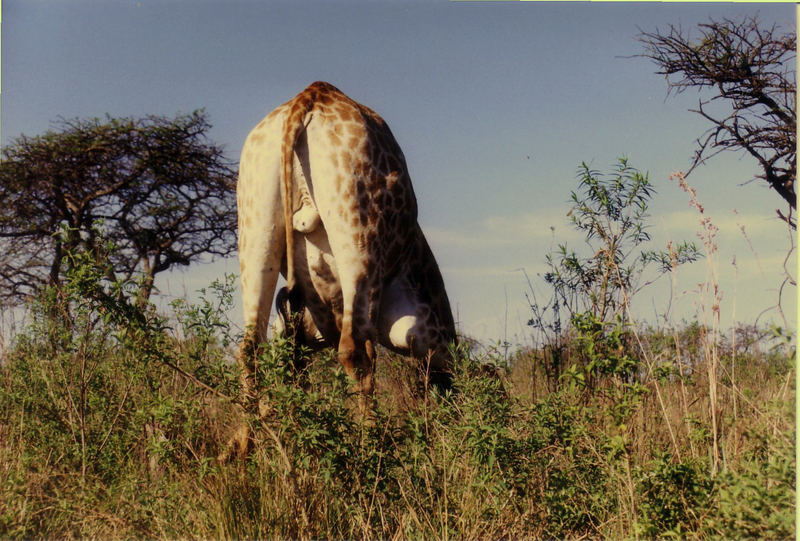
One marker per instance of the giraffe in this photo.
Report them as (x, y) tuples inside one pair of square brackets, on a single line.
[(324, 197)]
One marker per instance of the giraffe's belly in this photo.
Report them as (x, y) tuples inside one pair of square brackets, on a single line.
[(318, 279)]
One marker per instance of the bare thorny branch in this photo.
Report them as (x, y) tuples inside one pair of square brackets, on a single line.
[(750, 69)]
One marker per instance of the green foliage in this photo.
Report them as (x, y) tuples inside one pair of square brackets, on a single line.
[(110, 414), (611, 212), (573, 477), (155, 187), (606, 347), (758, 502), (757, 498), (675, 498), (596, 289), (91, 391)]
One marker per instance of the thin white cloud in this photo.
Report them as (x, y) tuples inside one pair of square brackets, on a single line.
[(477, 271), (528, 229), (552, 227), (688, 222)]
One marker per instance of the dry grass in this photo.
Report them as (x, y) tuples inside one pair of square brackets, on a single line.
[(101, 436), (488, 462)]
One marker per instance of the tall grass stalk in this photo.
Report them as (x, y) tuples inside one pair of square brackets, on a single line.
[(709, 292)]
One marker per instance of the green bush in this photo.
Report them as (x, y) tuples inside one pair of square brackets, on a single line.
[(674, 498), (757, 496), (110, 414), (93, 407)]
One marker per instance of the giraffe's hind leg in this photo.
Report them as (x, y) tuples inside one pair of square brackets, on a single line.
[(261, 247), (356, 349)]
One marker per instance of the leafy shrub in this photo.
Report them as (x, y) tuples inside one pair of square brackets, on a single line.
[(102, 399), (674, 498), (757, 497)]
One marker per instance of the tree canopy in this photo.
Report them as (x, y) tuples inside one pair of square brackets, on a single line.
[(750, 71), (142, 195)]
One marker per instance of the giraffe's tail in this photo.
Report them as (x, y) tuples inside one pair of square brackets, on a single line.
[(295, 122)]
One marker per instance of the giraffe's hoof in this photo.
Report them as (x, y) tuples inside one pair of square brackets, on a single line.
[(238, 447)]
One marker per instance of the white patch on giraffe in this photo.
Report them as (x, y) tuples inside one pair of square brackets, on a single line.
[(399, 314), (399, 332)]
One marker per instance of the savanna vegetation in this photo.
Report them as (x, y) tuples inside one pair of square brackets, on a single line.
[(111, 415), (112, 411), (155, 187)]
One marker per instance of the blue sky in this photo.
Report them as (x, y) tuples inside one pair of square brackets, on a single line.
[(494, 104)]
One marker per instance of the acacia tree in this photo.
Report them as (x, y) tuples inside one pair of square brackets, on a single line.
[(751, 72), (155, 189)]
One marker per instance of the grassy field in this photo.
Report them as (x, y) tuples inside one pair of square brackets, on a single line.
[(111, 416)]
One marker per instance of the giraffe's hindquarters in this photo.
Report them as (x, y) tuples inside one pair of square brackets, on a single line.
[(342, 190), (262, 237)]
